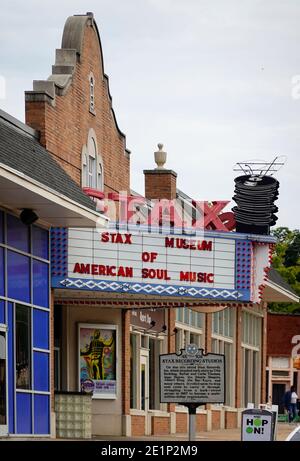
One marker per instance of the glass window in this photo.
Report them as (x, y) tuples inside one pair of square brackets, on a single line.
[(41, 371), (199, 322), (179, 312), (41, 414), (215, 322), (18, 276), (215, 346), (40, 242), (2, 311), (23, 347), (1, 228), (17, 234), (91, 172), (2, 378), (228, 349), (195, 339), (40, 274), (40, 329), (154, 351), (24, 413), (186, 316), (84, 172), (100, 176), (133, 373), (92, 94), (2, 272)]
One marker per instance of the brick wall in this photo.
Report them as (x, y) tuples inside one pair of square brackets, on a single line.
[(137, 426), (160, 184), (201, 423), (181, 422), (215, 419), (281, 329), (64, 122), (230, 419), (160, 425)]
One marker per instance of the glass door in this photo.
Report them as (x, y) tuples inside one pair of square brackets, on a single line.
[(3, 384), (144, 383)]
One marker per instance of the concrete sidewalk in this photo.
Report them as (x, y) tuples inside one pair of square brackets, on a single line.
[(283, 430)]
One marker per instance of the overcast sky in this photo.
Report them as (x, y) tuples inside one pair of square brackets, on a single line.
[(211, 79)]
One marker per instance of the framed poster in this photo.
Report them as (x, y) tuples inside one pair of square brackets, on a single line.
[(97, 346)]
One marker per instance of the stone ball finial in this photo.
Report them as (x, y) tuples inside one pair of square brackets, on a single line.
[(160, 157)]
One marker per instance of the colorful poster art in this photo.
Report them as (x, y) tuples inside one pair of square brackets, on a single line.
[(97, 360)]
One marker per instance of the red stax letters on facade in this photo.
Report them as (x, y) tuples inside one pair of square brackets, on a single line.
[(116, 238)]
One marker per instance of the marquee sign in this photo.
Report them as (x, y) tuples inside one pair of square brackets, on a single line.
[(207, 266)]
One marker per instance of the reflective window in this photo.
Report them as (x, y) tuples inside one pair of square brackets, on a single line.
[(40, 273), (17, 234), (40, 242), (1, 228), (18, 276), (23, 347), (2, 272)]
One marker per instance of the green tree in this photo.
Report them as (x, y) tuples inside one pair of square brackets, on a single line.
[(286, 260)]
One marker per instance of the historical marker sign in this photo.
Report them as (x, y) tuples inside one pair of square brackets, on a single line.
[(192, 377)]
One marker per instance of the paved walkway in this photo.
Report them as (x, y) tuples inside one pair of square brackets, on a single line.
[(283, 430)]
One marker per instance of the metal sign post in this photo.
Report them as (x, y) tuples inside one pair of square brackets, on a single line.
[(192, 407), (192, 378)]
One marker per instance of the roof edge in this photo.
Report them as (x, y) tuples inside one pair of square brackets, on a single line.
[(20, 125)]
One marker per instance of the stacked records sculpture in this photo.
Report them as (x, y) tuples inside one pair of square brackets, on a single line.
[(255, 196)]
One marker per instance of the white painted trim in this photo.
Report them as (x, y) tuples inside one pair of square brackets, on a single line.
[(283, 291), (40, 189)]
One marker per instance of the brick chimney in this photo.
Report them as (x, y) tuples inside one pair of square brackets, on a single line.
[(159, 182)]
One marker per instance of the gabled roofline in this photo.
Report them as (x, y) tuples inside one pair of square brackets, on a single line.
[(20, 125)]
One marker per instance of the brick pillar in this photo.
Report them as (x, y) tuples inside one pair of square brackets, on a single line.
[(160, 183), (208, 344), (126, 362), (264, 353), (171, 342), (208, 331), (238, 361)]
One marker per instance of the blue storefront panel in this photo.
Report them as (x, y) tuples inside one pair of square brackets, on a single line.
[(17, 234), (1, 227), (18, 276), (40, 282), (24, 253), (41, 371), (2, 272), (40, 242), (11, 368), (24, 413), (40, 329), (41, 414), (2, 311)]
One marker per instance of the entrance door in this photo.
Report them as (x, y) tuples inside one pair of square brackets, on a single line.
[(3, 384), (144, 380), (277, 396)]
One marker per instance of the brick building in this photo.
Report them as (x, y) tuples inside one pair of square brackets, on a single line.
[(283, 337), (128, 322)]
